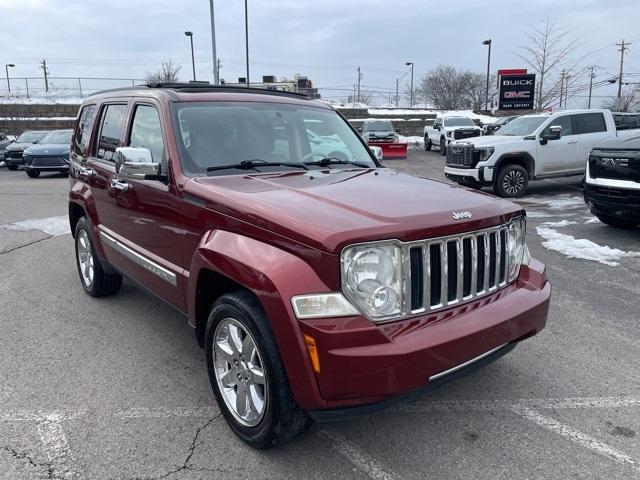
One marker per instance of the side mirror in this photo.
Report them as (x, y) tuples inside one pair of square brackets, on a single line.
[(399, 131), (135, 163), (437, 127), (554, 132)]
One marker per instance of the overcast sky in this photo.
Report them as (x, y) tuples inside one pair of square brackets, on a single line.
[(323, 39)]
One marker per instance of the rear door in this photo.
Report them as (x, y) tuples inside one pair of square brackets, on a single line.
[(591, 129), (558, 156)]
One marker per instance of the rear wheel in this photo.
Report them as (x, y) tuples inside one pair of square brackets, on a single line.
[(247, 375), (427, 143), (94, 280), (11, 166), (443, 146), (512, 181), (616, 222), (33, 173)]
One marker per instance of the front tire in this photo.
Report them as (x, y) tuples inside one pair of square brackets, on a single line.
[(616, 222), (94, 280), (247, 375), (427, 143), (443, 146), (11, 166), (33, 173), (512, 181)]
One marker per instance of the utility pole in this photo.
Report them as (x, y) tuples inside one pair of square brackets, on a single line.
[(623, 46), (246, 37), (566, 90), (591, 77), (216, 61), (561, 87), (43, 66), (359, 79)]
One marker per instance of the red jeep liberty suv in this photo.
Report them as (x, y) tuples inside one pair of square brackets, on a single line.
[(321, 285)]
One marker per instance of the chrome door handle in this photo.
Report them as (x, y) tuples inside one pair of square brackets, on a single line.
[(85, 172), (571, 142), (119, 185)]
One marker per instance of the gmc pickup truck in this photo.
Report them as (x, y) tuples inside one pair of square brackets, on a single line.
[(447, 129), (321, 288), (531, 147)]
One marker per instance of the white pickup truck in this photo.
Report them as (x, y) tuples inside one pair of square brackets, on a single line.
[(447, 129), (530, 147)]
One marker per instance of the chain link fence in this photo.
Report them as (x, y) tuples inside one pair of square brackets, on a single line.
[(71, 87)]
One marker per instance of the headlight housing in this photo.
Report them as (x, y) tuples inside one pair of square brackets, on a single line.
[(516, 246), (485, 153), (372, 279), (449, 133)]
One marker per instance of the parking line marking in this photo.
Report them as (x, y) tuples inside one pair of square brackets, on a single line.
[(358, 457), (576, 436), (56, 445)]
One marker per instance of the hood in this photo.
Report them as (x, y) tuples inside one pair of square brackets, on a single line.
[(328, 210), (49, 149), (490, 140), (15, 146)]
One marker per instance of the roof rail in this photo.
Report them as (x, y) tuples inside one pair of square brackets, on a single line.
[(194, 87)]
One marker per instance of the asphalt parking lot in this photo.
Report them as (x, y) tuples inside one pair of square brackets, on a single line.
[(116, 388)]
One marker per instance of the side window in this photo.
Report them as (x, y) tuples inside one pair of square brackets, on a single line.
[(146, 131), (111, 124), (564, 122), (590, 122), (83, 130)]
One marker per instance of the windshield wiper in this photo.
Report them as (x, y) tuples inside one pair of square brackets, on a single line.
[(326, 161), (252, 164)]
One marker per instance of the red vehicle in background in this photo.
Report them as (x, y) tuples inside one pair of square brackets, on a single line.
[(380, 133)]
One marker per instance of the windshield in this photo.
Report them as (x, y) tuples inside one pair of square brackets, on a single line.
[(522, 126), (458, 122), (378, 126), (216, 134), (60, 137), (30, 137)]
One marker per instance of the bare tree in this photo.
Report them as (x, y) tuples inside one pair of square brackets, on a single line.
[(476, 89), (628, 102), (167, 73), (549, 49)]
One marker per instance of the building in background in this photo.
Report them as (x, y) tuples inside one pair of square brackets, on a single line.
[(299, 84)]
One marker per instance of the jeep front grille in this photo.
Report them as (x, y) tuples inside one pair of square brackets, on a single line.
[(448, 271)]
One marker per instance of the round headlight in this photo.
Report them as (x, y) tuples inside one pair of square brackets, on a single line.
[(515, 246), (369, 270)]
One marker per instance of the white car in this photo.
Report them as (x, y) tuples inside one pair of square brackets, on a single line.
[(447, 129), (530, 147)]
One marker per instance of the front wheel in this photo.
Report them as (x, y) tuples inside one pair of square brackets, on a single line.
[(33, 173), (247, 375), (512, 181), (427, 143), (443, 147), (95, 281), (11, 166), (616, 222)]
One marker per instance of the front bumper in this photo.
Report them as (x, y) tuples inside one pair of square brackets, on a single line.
[(13, 160), (45, 163), (364, 369), (621, 203)]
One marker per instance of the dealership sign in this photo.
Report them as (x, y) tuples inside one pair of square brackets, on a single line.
[(517, 92)]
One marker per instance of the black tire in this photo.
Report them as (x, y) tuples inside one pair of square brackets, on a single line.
[(11, 166), (102, 284), (443, 146), (512, 181), (617, 222), (427, 143), (282, 419), (33, 173)]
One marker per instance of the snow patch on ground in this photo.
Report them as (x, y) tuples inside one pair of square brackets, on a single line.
[(52, 226), (592, 220), (414, 142), (559, 202), (580, 248)]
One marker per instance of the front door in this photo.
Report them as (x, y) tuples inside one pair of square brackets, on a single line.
[(558, 156)]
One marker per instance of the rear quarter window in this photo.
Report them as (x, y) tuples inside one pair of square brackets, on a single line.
[(590, 123), (83, 129)]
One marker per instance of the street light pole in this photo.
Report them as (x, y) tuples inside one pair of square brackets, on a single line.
[(6, 68), (411, 88), (246, 37), (216, 68), (486, 94), (193, 59)]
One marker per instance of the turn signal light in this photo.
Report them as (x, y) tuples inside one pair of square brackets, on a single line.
[(313, 353)]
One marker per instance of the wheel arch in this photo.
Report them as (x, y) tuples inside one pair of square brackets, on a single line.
[(519, 158), (76, 212)]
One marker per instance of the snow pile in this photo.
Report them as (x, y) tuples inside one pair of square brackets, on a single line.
[(52, 98), (580, 248), (559, 202), (52, 226), (414, 142)]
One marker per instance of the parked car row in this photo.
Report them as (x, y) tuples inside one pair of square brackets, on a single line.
[(38, 151)]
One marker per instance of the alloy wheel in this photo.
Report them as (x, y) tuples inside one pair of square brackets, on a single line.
[(240, 372), (513, 182), (85, 258)]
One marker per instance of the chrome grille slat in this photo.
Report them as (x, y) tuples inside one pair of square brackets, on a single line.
[(441, 286)]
